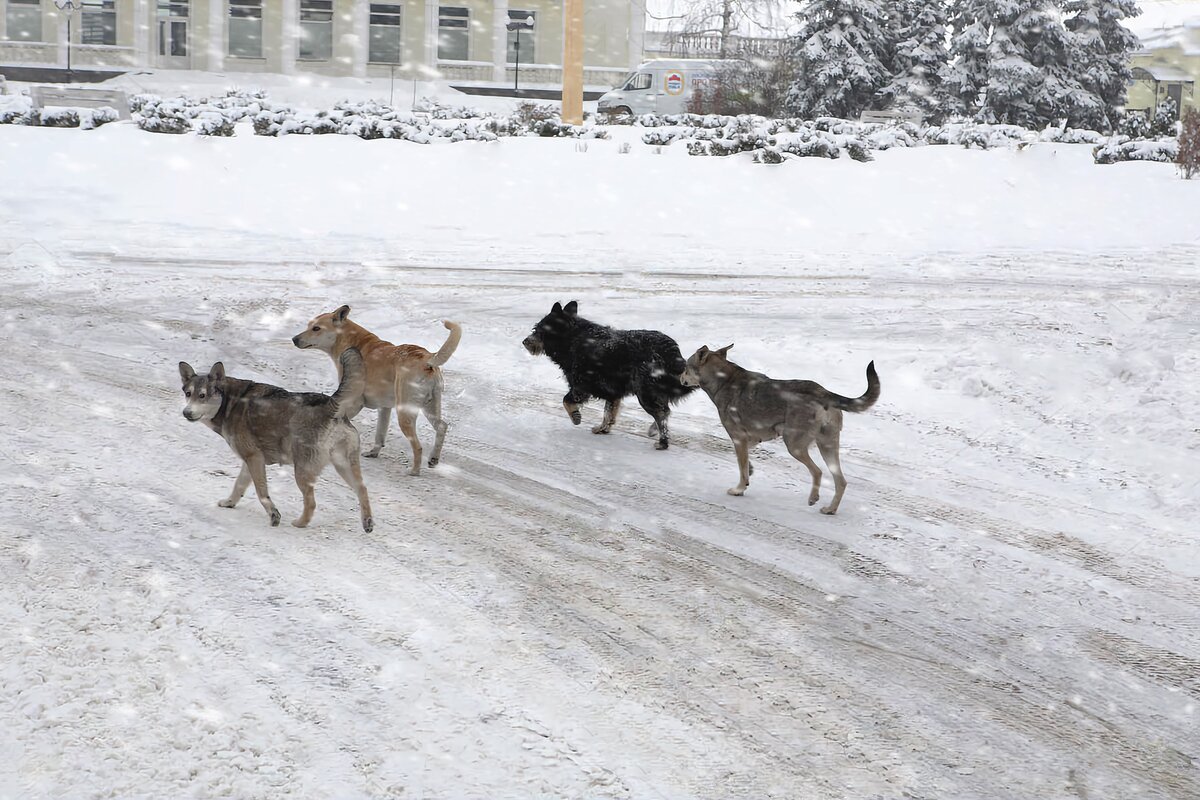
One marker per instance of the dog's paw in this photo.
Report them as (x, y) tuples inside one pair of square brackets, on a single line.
[(368, 524), (227, 503), (602, 429), (372, 453), (661, 444), (275, 517), (813, 497), (829, 510), (576, 418), (736, 491), (299, 523), (433, 462), (415, 471)]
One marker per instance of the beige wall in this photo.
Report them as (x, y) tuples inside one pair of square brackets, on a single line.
[(606, 46)]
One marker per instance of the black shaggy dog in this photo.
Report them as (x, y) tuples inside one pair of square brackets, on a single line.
[(598, 361)]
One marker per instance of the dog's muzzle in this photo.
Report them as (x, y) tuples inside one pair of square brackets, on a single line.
[(296, 341), (533, 344), (188, 416), (688, 380)]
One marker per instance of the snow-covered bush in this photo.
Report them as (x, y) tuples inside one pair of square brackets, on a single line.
[(163, 116), (1188, 157), (438, 110), (58, 117), (1120, 148), (213, 123), (16, 110), (1165, 118), (1134, 125), (95, 117)]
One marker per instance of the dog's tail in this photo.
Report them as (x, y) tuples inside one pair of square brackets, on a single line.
[(447, 349), (348, 399), (859, 403)]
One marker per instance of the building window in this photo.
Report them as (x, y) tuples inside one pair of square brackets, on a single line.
[(316, 30), (245, 28), (454, 33), (385, 34), (98, 22), (24, 20), (528, 35), (172, 28)]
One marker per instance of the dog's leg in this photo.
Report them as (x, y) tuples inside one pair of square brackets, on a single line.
[(571, 404), (664, 435), (830, 445), (239, 488), (258, 473), (799, 451), (381, 429), (408, 425), (306, 479), (611, 409), (652, 431), (742, 448), (433, 413), (348, 467)]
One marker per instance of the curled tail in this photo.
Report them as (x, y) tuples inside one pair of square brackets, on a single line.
[(447, 349), (864, 402), (348, 399)]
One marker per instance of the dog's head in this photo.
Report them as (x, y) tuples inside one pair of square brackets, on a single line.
[(705, 362), (322, 332), (552, 327), (204, 393)]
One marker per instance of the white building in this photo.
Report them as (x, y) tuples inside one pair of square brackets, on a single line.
[(460, 40)]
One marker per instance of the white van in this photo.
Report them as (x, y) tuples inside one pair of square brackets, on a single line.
[(659, 86)]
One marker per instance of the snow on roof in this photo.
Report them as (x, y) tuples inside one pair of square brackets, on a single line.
[(1165, 73), (760, 19)]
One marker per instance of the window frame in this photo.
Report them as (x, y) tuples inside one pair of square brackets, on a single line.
[(28, 12), (465, 28), (251, 12), (320, 21), (375, 10), (98, 16)]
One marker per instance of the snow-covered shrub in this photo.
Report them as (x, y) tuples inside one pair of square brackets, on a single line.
[(658, 137), (438, 110), (58, 117), (1119, 148), (95, 117), (213, 123), (1165, 117), (816, 147), (16, 110), (138, 101), (1188, 157), (1134, 125), (164, 116)]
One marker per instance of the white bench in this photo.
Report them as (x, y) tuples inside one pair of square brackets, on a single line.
[(891, 116), (75, 97)]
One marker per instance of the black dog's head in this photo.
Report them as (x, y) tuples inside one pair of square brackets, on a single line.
[(552, 327)]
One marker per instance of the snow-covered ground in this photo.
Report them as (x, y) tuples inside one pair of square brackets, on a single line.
[(1006, 605)]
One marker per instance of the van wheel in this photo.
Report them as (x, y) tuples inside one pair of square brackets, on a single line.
[(619, 110)]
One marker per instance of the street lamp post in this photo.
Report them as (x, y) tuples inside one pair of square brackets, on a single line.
[(518, 26), (69, 7)]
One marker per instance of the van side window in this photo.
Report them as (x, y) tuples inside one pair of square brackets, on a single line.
[(639, 81)]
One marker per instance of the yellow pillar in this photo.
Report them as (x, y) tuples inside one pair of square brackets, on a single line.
[(572, 75)]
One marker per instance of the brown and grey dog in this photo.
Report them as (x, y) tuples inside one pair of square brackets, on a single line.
[(405, 377), (264, 424), (755, 408)]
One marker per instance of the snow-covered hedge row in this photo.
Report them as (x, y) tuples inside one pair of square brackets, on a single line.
[(1122, 148), (828, 137), (19, 110)]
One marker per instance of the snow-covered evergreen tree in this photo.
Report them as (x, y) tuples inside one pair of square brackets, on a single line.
[(1014, 63), (919, 59), (837, 56), (1102, 49)]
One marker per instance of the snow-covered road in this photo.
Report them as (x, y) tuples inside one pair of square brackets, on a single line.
[(1006, 606)]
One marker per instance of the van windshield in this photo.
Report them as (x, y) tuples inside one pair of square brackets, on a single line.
[(637, 80)]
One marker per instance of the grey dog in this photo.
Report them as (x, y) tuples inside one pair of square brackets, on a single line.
[(264, 424), (755, 408)]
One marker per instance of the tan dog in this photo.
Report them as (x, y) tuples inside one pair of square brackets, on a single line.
[(406, 377)]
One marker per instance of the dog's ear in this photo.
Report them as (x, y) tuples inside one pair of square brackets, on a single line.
[(724, 350), (702, 354), (217, 373), (557, 309), (340, 315), (572, 308), (186, 372)]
